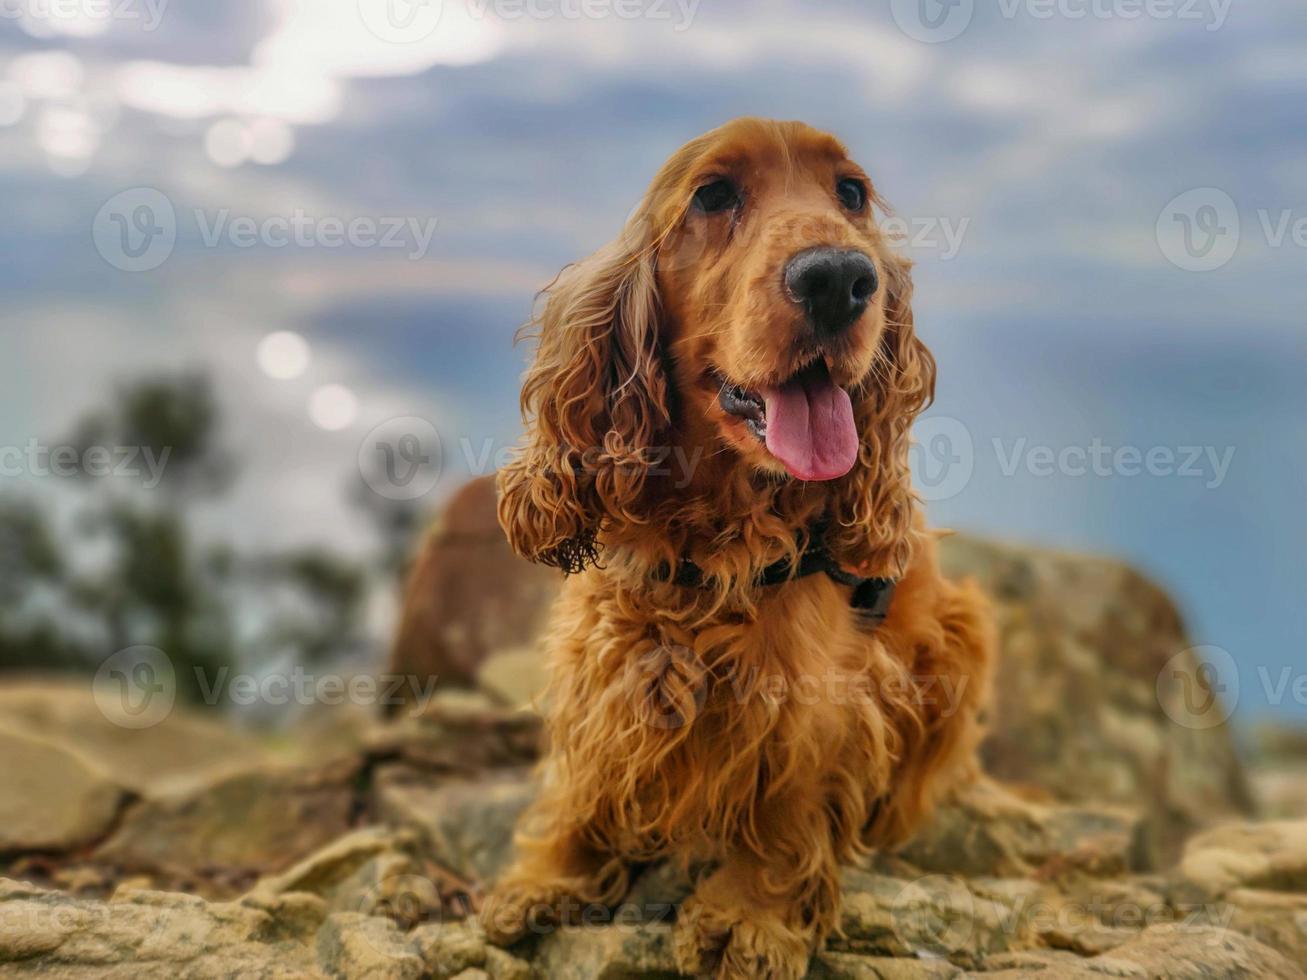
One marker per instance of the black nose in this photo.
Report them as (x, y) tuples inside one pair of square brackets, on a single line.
[(832, 284)]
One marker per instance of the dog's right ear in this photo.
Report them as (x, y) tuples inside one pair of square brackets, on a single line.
[(594, 402)]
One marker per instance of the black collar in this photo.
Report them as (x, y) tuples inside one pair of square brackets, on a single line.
[(871, 596)]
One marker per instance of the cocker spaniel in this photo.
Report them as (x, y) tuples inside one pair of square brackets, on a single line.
[(757, 667)]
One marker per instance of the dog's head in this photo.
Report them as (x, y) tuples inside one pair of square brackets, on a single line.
[(751, 316)]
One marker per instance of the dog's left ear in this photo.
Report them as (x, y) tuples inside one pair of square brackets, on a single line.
[(874, 503), (594, 403)]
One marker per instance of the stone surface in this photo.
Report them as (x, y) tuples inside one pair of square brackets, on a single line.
[(50, 796), (1266, 855), (467, 824), (250, 823), (987, 830), (184, 748), (468, 595), (1078, 711), (1162, 953)]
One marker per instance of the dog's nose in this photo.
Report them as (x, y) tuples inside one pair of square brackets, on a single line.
[(832, 284)]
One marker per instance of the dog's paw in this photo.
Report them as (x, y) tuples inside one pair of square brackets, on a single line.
[(515, 909), (737, 944)]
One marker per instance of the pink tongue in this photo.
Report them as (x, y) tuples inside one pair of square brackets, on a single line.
[(810, 426)]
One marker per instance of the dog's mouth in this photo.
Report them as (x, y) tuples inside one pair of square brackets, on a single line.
[(806, 421)]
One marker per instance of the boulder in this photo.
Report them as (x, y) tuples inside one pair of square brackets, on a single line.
[(468, 595), (235, 828), (52, 798), (1087, 673), (1265, 855), (181, 749)]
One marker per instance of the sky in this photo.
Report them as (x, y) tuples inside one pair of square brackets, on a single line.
[(1106, 201)]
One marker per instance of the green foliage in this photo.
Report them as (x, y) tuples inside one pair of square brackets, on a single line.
[(129, 570)]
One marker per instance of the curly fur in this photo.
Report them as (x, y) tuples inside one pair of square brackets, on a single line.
[(705, 723)]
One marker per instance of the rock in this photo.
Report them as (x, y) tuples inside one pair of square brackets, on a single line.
[(248, 824), (987, 830), (514, 677), (468, 595), (184, 748), (367, 948), (357, 873), (49, 935), (467, 824), (1274, 918), (461, 735), (1078, 714), (51, 798), (1279, 772), (842, 966), (1265, 855), (931, 916), (450, 949), (607, 952), (1168, 952)]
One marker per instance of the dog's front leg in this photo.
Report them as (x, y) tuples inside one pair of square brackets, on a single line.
[(767, 906), (559, 876)]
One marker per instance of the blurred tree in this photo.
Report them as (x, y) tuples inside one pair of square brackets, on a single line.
[(31, 574), (131, 571), (328, 620)]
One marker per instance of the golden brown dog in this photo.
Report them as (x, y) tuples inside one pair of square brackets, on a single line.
[(736, 371)]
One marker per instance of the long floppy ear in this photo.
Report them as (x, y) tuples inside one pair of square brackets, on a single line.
[(874, 505), (593, 402)]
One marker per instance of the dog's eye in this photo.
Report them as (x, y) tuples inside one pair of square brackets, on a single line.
[(852, 194), (720, 195)]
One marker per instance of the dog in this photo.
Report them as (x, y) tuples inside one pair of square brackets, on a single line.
[(757, 668)]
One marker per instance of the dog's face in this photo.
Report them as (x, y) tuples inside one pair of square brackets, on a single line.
[(750, 314), (772, 282)]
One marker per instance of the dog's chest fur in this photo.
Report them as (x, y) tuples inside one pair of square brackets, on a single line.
[(708, 723)]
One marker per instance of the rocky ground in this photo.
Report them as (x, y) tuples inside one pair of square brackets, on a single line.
[(1119, 838)]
